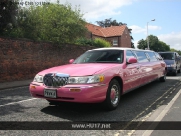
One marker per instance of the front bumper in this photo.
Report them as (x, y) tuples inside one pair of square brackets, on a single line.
[(91, 93), (171, 70)]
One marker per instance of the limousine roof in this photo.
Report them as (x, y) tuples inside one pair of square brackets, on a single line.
[(120, 48), (167, 52)]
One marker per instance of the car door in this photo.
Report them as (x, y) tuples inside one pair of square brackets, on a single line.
[(161, 69), (155, 65), (131, 73), (145, 70)]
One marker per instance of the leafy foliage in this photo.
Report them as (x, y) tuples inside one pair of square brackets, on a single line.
[(109, 22), (84, 41), (8, 13), (53, 22), (174, 50), (132, 45), (154, 44), (97, 42)]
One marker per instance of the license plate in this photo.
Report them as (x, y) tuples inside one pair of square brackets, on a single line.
[(50, 93)]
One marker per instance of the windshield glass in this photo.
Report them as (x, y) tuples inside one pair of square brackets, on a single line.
[(167, 56), (101, 56)]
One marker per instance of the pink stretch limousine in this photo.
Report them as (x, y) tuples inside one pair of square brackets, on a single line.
[(99, 75)]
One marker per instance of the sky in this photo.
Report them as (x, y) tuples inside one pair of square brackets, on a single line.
[(137, 14)]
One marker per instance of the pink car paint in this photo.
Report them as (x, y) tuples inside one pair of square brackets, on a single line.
[(115, 79)]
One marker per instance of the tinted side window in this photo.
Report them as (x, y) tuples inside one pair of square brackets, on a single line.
[(158, 56), (129, 54), (141, 56), (152, 56)]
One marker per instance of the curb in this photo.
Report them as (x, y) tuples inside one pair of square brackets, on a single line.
[(6, 88), (15, 84)]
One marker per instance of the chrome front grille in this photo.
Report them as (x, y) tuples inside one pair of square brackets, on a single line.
[(55, 79)]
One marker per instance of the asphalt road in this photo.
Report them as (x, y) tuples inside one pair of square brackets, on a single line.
[(17, 105)]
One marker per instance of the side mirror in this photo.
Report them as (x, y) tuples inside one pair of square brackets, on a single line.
[(132, 60), (71, 61)]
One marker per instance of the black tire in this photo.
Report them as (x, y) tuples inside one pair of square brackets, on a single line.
[(114, 90), (175, 73), (163, 78), (51, 102), (178, 71)]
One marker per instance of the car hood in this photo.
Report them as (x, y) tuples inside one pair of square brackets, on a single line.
[(168, 62), (78, 69)]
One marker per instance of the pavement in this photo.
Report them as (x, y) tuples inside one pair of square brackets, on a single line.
[(170, 112), (169, 119)]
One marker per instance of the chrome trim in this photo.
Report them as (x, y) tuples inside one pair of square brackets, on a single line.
[(55, 79), (35, 84), (82, 86)]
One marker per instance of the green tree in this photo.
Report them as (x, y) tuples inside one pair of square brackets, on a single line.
[(142, 44), (154, 44), (174, 50), (179, 52), (162, 46), (8, 13), (132, 45), (109, 22), (53, 22)]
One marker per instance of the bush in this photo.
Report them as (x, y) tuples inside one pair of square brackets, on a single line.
[(53, 22), (84, 41), (98, 42)]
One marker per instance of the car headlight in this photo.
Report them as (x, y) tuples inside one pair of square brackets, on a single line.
[(173, 65), (86, 79), (38, 78)]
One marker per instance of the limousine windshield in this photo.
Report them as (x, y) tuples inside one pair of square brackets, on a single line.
[(101, 56)]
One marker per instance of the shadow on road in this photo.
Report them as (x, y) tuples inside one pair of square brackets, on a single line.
[(132, 104)]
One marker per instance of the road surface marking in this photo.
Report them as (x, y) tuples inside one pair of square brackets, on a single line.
[(17, 102), (15, 87), (128, 124), (163, 113)]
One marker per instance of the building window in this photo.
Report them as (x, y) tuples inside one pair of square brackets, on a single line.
[(115, 42)]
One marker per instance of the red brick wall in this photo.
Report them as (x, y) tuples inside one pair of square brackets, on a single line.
[(125, 39), (110, 39), (22, 59)]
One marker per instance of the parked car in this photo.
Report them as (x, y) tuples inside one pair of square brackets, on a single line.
[(173, 62), (99, 76)]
